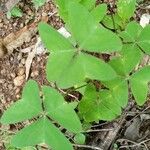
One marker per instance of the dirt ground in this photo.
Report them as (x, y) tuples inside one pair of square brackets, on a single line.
[(131, 131)]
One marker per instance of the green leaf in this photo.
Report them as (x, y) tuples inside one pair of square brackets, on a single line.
[(99, 12), (90, 36), (137, 35), (131, 32), (89, 4), (79, 138), (64, 69), (26, 108), (53, 40), (144, 39), (55, 104), (126, 8), (129, 58), (38, 3), (75, 68), (139, 85), (41, 131), (16, 12), (99, 106), (119, 89), (63, 8), (96, 68)]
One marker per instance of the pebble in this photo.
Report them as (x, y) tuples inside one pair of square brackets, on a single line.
[(34, 73), (21, 72), (13, 75), (18, 81)]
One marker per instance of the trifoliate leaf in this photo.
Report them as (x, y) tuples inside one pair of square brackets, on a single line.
[(139, 85), (89, 4), (53, 40), (119, 89), (104, 104), (126, 8), (69, 68), (41, 132), (144, 39), (131, 32), (137, 35), (26, 108), (129, 57), (59, 110), (99, 12), (90, 36)]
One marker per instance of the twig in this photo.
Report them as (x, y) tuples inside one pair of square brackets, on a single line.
[(133, 143), (87, 146), (98, 130), (63, 92)]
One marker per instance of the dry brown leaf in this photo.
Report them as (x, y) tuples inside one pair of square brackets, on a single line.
[(14, 40)]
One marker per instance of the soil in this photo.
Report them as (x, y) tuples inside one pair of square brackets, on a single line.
[(12, 80)]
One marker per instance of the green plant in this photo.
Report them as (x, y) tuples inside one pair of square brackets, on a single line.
[(119, 19), (15, 12), (74, 66), (76, 60), (38, 3), (42, 130), (98, 11)]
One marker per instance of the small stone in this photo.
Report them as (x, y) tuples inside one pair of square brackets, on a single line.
[(34, 73), (13, 75), (2, 81), (17, 96), (18, 81), (17, 91), (21, 71), (10, 86)]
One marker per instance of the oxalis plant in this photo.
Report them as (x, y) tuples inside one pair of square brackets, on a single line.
[(73, 66)]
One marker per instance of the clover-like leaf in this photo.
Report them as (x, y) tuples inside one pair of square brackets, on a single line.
[(99, 12), (129, 57), (113, 22), (59, 110), (52, 40), (26, 108), (132, 32), (119, 89), (90, 36), (104, 104), (68, 68), (144, 39), (139, 84), (137, 35), (89, 4), (41, 132), (126, 8)]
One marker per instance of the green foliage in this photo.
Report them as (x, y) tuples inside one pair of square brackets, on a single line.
[(70, 59), (42, 130), (72, 63), (98, 11), (99, 105), (15, 12), (38, 3), (79, 138), (126, 8), (139, 85)]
